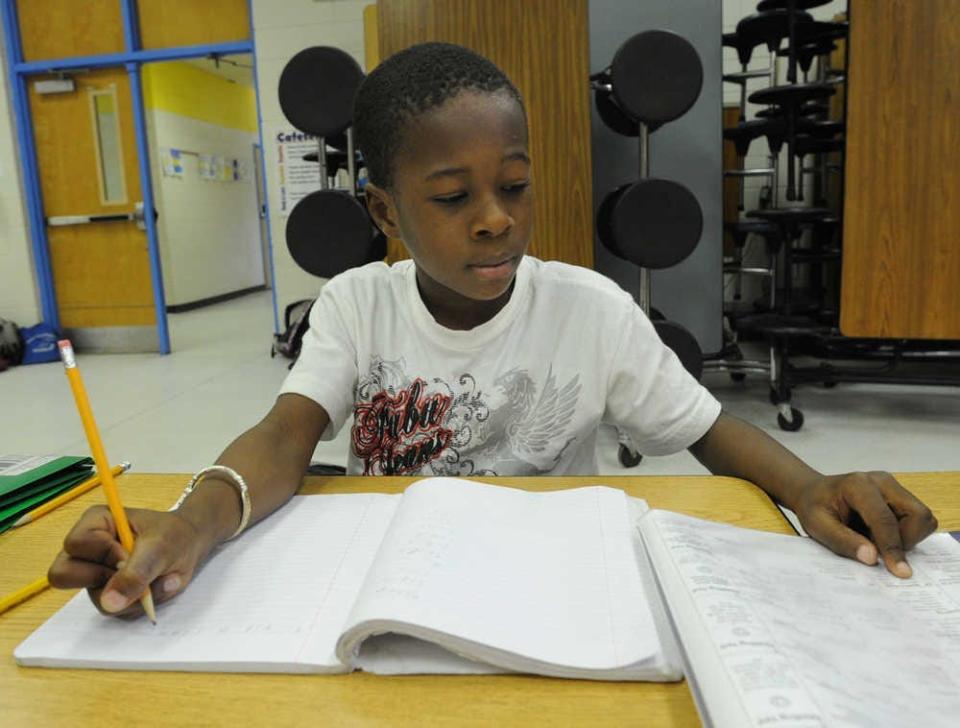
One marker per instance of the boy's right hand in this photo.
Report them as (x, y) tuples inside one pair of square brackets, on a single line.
[(167, 551)]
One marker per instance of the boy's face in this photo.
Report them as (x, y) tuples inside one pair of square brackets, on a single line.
[(461, 198)]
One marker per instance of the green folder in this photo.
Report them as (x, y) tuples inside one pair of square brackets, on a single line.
[(25, 482)]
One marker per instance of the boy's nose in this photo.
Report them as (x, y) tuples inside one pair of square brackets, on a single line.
[(492, 221)]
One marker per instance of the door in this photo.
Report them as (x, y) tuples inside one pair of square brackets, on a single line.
[(90, 182), (262, 215)]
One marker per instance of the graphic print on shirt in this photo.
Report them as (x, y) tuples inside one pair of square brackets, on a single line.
[(407, 425)]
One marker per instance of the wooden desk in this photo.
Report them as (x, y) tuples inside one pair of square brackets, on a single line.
[(36, 696)]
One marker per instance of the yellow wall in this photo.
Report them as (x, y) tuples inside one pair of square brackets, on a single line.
[(190, 91)]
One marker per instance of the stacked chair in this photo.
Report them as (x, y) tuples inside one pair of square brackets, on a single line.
[(328, 231), (800, 233), (653, 79)]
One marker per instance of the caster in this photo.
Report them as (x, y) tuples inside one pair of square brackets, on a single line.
[(829, 385), (738, 376), (628, 458), (793, 423)]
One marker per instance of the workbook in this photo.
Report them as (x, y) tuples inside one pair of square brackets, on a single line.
[(452, 576), (463, 577)]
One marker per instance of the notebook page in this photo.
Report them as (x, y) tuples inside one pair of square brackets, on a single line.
[(274, 600), (780, 631), (549, 576)]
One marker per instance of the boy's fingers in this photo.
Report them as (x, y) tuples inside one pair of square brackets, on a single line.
[(93, 545), (148, 561), (70, 573), (163, 588), (825, 527), (864, 496), (916, 521)]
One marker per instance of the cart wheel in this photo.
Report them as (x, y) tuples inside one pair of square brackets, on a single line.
[(738, 376), (794, 423), (629, 458)]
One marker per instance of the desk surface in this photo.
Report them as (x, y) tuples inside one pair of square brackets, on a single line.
[(88, 697)]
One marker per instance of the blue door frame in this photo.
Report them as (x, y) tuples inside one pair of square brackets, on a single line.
[(132, 59)]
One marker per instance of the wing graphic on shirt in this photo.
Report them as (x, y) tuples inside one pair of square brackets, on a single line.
[(545, 421)]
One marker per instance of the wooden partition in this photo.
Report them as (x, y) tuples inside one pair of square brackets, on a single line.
[(901, 233), (542, 45)]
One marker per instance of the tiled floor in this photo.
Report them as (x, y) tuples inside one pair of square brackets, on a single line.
[(176, 413)]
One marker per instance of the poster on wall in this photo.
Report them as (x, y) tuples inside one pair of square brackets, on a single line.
[(297, 178), (171, 160), (207, 166)]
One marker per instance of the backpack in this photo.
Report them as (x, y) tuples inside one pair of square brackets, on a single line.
[(11, 343), (296, 319), (40, 344)]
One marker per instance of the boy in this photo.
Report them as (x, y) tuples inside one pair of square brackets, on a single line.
[(471, 359)]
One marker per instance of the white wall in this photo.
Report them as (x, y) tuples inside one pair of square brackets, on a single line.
[(18, 290), (209, 230), (281, 30)]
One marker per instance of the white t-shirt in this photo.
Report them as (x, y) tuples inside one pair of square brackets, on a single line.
[(522, 394)]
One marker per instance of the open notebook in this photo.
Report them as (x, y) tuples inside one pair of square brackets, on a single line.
[(460, 577), (450, 577)]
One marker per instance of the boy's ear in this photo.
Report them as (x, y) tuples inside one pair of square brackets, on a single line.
[(382, 210)]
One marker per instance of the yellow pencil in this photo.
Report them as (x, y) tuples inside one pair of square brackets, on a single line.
[(88, 484), (21, 595), (100, 458)]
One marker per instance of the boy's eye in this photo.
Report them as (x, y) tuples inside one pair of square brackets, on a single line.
[(452, 199), (517, 188)]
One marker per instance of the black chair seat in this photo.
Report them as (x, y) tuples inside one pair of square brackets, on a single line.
[(745, 132), (766, 5), (780, 326), (316, 90), (793, 95), (820, 129), (806, 53), (741, 77), (328, 232), (792, 215), (815, 31), (740, 229), (743, 46), (641, 88), (746, 227), (811, 145), (809, 109), (769, 27)]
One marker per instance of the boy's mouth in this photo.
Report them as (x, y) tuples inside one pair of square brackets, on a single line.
[(495, 268)]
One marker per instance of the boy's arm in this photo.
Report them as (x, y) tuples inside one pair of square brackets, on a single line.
[(271, 457), (832, 508)]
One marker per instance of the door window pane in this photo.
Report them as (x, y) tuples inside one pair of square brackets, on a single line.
[(106, 130)]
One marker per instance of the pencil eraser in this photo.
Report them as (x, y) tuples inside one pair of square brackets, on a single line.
[(66, 353)]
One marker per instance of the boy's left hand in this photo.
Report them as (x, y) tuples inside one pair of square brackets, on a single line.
[(861, 515)]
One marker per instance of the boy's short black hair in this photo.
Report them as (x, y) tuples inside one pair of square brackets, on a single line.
[(407, 84)]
